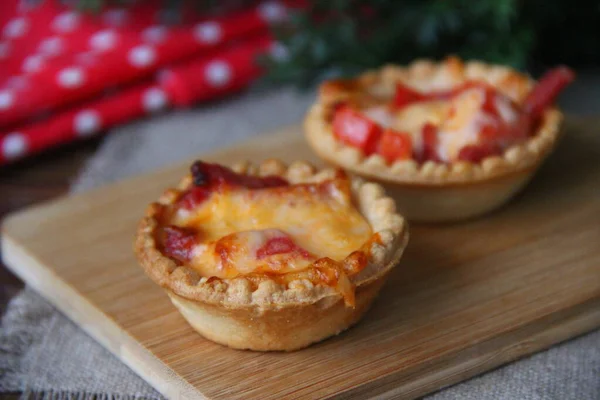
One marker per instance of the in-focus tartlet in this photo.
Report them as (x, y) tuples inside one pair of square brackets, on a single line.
[(270, 257), (449, 140)]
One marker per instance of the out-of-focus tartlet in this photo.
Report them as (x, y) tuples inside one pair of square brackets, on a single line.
[(270, 257), (448, 140)]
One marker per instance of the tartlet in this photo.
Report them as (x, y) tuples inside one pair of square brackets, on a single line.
[(448, 140), (270, 257)]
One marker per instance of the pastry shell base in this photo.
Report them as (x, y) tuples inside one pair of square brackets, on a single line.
[(456, 202), (269, 329)]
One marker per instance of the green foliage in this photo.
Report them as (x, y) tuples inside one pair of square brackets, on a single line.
[(352, 35), (341, 37)]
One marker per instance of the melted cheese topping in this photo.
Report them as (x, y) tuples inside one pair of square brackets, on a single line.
[(459, 120), (410, 119), (463, 125), (235, 227)]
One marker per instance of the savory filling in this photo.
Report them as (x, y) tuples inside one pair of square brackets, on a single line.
[(466, 123), (228, 225)]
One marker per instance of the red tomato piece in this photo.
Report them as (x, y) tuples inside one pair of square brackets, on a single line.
[(490, 93), (518, 130), (405, 96), (354, 129), (547, 89), (498, 131), (280, 245), (430, 142), (523, 127), (395, 146), (449, 93), (489, 133), (256, 182), (179, 242), (194, 197), (215, 175), (503, 134), (489, 102), (476, 153)]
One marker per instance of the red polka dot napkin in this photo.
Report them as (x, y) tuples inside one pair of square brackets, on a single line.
[(65, 75)]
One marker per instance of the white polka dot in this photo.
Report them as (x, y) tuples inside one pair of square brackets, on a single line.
[(16, 28), (66, 21), (116, 17), (103, 40), (272, 11), (141, 56), (279, 52), (52, 46), (155, 34), (33, 63), (6, 99), (154, 100), (86, 123), (4, 50), (208, 32), (14, 145), (71, 77), (218, 73)]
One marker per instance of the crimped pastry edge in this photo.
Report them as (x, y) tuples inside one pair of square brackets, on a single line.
[(523, 156), (378, 209)]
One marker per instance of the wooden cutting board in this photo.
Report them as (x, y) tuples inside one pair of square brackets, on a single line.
[(464, 299)]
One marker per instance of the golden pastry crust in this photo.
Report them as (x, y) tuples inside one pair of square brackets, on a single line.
[(276, 329), (241, 314), (422, 75)]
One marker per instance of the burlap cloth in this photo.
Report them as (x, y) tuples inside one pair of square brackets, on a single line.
[(44, 355)]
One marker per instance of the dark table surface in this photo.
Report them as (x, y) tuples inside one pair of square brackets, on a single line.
[(32, 181)]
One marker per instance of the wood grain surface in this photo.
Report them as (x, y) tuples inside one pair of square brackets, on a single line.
[(464, 299)]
